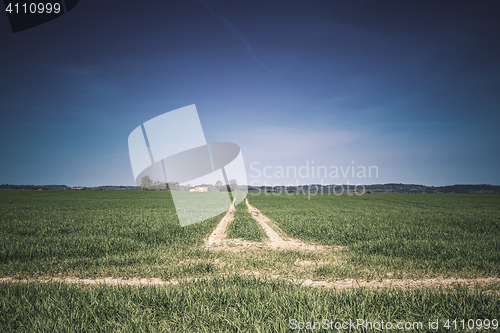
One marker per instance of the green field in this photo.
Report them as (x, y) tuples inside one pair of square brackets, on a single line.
[(98, 233), (403, 235), (227, 305), (126, 234)]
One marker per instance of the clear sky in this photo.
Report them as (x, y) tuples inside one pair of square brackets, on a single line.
[(410, 87)]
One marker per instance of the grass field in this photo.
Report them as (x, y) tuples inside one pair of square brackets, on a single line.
[(229, 305), (403, 235), (126, 234), (98, 233)]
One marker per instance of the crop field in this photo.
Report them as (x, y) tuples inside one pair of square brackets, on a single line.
[(420, 242), (397, 235), (244, 225), (229, 305), (85, 234)]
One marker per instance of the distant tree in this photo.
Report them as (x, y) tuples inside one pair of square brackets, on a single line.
[(219, 186), (158, 185), (146, 183), (173, 186), (233, 185)]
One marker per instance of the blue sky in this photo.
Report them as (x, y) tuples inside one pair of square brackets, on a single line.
[(410, 87)]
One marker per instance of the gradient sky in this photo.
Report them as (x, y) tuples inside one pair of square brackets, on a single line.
[(411, 87)]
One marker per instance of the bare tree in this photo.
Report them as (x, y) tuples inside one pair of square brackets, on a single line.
[(158, 185), (233, 185), (219, 186), (146, 183), (173, 186)]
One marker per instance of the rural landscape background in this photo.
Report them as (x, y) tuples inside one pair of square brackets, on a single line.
[(119, 260), (395, 103)]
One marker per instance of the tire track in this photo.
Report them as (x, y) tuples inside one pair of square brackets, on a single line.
[(218, 240), (344, 284)]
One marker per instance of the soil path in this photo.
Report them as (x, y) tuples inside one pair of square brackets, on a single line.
[(106, 280), (345, 284), (218, 240), (404, 284), (277, 242), (219, 234)]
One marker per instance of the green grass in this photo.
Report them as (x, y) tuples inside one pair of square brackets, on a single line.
[(244, 226), (96, 233), (403, 235), (92, 234), (137, 234), (225, 305)]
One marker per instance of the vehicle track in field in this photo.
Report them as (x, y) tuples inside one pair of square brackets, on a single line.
[(219, 234), (402, 284), (277, 242), (345, 284), (218, 240)]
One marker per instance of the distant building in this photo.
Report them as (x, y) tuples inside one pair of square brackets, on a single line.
[(199, 189)]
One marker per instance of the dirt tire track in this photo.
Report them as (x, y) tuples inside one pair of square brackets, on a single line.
[(277, 242), (106, 280), (402, 284), (218, 240), (219, 233), (346, 284)]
